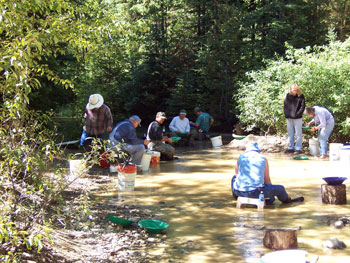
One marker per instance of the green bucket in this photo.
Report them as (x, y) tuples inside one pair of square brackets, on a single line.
[(153, 226), (175, 139), (119, 221)]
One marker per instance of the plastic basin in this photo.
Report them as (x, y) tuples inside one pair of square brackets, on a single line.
[(175, 139), (301, 158), (119, 221), (238, 137), (153, 226), (306, 128), (334, 180)]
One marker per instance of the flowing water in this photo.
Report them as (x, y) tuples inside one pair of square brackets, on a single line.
[(193, 195)]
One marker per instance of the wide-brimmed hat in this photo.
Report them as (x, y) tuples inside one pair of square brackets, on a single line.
[(252, 146), (161, 115), (136, 118), (95, 101)]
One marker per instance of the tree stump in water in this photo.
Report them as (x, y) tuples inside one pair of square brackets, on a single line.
[(333, 194), (282, 238)]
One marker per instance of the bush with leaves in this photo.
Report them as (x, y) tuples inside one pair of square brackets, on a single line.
[(31, 34), (323, 74)]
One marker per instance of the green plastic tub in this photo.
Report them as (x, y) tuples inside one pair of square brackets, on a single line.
[(119, 221), (153, 226), (175, 139), (300, 158), (238, 137)]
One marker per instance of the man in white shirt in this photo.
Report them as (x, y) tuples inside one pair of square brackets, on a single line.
[(180, 127)]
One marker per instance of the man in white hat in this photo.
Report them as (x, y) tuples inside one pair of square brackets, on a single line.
[(125, 133), (98, 119), (157, 138)]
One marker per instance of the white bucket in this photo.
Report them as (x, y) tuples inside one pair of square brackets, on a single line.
[(345, 156), (334, 151), (216, 141), (285, 256), (113, 168), (314, 146), (76, 167), (146, 161), (126, 178)]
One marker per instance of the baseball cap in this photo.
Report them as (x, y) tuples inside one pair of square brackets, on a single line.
[(136, 118), (196, 109), (161, 115), (252, 146), (183, 112)]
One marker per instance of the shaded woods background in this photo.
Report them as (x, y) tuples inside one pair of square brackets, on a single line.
[(147, 56)]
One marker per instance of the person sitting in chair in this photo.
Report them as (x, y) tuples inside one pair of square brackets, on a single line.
[(253, 176)]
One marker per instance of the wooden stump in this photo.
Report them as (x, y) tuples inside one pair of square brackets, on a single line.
[(282, 238), (333, 194)]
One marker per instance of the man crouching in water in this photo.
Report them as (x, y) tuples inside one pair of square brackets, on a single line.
[(253, 176)]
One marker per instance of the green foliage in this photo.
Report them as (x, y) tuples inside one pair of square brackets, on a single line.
[(322, 73)]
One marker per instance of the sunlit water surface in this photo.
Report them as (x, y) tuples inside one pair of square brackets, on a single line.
[(193, 195)]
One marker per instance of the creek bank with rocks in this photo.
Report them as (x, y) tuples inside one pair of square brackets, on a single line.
[(94, 238), (270, 144)]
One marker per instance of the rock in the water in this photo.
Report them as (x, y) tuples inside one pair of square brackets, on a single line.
[(339, 224), (345, 220), (334, 243)]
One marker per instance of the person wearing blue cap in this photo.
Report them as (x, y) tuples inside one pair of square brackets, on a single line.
[(125, 133), (253, 177)]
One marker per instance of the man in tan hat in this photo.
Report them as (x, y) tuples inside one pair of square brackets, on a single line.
[(98, 119), (157, 139)]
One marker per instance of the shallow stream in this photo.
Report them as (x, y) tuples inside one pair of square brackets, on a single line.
[(193, 195)]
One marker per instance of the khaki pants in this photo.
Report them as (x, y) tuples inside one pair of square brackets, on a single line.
[(167, 151)]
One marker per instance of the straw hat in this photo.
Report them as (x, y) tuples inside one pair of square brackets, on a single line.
[(95, 101)]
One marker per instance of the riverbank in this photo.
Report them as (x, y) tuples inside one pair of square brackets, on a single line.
[(270, 144), (193, 195)]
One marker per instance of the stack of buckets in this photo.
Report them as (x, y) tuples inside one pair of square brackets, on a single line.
[(340, 152), (126, 177)]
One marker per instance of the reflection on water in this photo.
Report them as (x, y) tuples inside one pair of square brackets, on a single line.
[(193, 195)]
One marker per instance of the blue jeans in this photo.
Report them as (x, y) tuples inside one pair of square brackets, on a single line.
[(323, 136), (294, 127), (136, 152), (270, 191), (84, 138)]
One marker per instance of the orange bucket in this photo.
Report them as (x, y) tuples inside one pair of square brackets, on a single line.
[(155, 157), (104, 159)]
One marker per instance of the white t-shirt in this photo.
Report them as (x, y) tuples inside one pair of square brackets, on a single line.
[(180, 125)]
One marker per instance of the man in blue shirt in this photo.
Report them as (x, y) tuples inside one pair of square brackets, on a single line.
[(253, 176), (324, 120), (125, 132)]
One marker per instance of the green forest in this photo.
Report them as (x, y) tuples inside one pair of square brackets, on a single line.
[(234, 59)]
